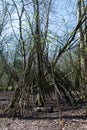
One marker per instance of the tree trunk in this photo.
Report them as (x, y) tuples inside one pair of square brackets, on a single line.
[(83, 44), (39, 52)]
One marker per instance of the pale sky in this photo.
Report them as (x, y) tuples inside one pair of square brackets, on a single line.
[(63, 18)]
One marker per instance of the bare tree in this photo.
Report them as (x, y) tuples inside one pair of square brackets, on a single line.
[(39, 71)]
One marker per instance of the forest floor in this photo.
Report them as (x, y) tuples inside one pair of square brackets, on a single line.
[(74, 118)]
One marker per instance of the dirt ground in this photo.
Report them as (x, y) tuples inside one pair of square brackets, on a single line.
[(18, 124), (46, 124), (73, 119)]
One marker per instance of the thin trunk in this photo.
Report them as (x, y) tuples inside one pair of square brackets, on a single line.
[(21, 40), (83, 42), (39, 50), (23, 51)]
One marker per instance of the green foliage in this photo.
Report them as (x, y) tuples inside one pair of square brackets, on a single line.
[(2, 88), (18, 64), (10, 88), (6, 88)]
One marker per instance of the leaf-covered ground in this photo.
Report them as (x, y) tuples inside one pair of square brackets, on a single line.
[(73, 119), (46, 124)]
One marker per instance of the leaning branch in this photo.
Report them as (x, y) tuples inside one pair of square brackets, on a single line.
[(71, 38)]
